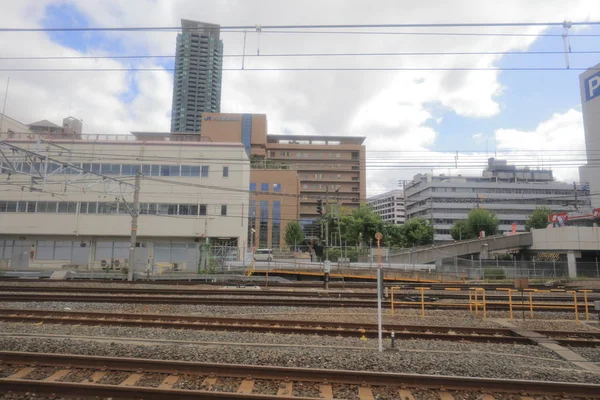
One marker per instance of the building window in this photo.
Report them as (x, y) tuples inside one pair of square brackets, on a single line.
[(204, 172), (223, 210), (253, 187), (264, 187), (202, 209), (44, 250), (276, 224), (277, 187), (225, 172)]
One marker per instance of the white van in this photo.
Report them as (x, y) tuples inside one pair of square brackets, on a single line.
[(263, 255)]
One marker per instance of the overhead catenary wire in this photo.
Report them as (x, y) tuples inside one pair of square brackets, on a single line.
[(307, 69), (308, 26), (296, 55)]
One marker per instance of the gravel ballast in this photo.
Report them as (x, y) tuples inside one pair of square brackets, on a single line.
[(367, 315), (461, 364), (131, 333)]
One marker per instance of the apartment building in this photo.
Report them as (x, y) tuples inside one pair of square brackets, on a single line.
[(328, 168), (511, 193), (389, 206), (198, 75), (191, 194)]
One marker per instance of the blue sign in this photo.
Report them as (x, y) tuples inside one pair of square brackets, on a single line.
[(591, 85)]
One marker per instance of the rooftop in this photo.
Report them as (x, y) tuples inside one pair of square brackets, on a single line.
[(314, 139), (46, 124)]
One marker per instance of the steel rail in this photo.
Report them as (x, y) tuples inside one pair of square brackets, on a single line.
[(268, 293), (303, 302), (487, 335), (287, 374)]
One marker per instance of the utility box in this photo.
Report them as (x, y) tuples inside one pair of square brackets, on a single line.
[(521, 283), (597, 305)]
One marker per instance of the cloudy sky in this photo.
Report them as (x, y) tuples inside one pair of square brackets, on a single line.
[(414, 121)]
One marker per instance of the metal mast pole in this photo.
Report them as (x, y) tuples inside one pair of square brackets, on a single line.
[(4, 107), (134, 225)]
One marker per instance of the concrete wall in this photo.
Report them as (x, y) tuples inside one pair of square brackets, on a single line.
[(566, 238)]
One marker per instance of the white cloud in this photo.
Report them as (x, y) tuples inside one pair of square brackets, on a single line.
[(391, 108), (558, 141)]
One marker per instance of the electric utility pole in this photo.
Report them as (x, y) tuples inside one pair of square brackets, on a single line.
[(135, 212)]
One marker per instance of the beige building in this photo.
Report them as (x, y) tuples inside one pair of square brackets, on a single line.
[(191, 193), (328, 168), (10, 125)]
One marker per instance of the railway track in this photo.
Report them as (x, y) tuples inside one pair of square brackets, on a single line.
[(273, 293), (75, 375), (288, 302), (488, 335), (301, 284)]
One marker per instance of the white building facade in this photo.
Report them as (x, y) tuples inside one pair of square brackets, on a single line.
[(192, 194), (589, 83), (511, 193), (389, 206)]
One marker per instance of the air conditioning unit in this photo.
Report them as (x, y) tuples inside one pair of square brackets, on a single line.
[(104, 264), (175, 266), (116, 264)]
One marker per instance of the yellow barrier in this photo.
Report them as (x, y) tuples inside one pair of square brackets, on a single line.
[(477, 302)]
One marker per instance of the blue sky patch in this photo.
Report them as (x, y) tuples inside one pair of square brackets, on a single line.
[(528, 97)]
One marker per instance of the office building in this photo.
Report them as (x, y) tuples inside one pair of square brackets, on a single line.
[(192, 194), (198, 75), (273, 204), (589, 84), (328, 168), (389, 206), (511, 193)]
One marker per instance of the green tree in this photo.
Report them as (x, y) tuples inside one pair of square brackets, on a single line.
[(360, 225), (294, 235), (538, 219), (417, 232), (480, 219), (393, 235), (461, 230)]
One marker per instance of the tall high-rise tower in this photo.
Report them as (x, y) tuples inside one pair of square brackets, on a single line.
[(198, 74)]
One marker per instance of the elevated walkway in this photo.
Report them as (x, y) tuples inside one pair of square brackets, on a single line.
[(425, 255)]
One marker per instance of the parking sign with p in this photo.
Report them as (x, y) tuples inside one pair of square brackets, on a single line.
[(592, 86)]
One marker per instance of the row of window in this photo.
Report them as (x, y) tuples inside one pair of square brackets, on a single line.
[(265, 187), (124, 169), (505, 190), (78, 252), (104, 208)]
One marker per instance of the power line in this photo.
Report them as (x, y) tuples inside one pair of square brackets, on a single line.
[(298, 69), (311, 26), (429, 33), (263, 55)]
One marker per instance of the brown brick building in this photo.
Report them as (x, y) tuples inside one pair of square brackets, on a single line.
[(290, 173)]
